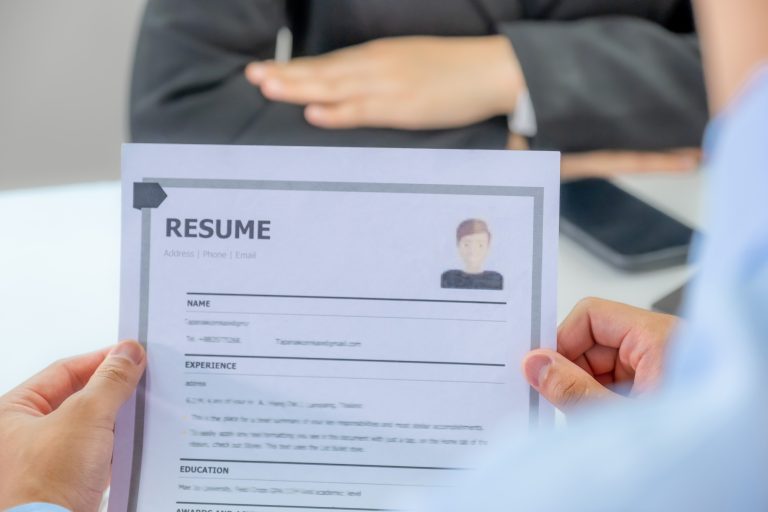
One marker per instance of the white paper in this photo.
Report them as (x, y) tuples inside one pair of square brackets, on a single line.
[(306, 355)]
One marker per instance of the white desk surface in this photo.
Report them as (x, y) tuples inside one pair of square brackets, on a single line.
[(60, 262)]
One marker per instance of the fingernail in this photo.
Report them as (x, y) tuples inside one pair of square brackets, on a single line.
[(129, 350), (256, 71), (536, 368)]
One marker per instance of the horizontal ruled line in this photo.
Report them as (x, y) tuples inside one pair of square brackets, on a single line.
[(309, 481), (265, 313), (335, 464), (333, 297), (441, 381), (348, 360), (303, 507)]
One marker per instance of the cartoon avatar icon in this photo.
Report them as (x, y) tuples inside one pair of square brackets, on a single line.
[(473, 240)]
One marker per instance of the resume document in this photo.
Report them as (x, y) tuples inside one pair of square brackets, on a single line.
[(327, 328)]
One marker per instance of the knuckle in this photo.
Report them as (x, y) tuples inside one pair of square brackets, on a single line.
[(58, 364), (567, 391), (588, 303), (114, 371), (583, 307), (332, 88)]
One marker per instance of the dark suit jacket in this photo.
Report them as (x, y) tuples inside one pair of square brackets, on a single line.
[(601, 73)]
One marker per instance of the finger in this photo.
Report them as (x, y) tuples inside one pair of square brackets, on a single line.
[(611, 163), (602, 359), (325, 78), (659, 161), (582, 363), (595, 322), (257, 71), (517, 142), (605, 379), (45, 392), (562, 382), (112, 383), (313, 90), (598, 361), (347, 114), (329, 65), (694, 155), (351, 114), (649, 371)]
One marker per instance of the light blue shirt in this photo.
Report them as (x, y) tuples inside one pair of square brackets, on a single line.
[(702, 443), (38, 507)]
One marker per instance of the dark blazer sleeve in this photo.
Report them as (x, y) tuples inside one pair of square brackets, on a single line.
[(188, 84), (611, 82)]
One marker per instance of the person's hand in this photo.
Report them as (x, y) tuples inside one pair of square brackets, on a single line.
[(403, 82), (601, 345), (609, 163), (56, 429)]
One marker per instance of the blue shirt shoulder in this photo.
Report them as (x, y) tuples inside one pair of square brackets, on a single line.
[(38, 507)]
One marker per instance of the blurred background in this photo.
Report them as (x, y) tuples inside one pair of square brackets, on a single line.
[(631, 125), (64, 89)]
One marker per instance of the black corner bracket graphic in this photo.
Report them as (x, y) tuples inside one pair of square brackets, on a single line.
[(148, 195)]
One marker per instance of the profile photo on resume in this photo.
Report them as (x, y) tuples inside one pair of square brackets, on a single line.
[(473, 240)]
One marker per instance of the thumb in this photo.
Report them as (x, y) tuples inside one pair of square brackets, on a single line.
[(112, 383), (562, 382)]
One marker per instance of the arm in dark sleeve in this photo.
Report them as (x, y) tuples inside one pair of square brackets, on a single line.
[(611, 83), (189, 87), (188, 82)]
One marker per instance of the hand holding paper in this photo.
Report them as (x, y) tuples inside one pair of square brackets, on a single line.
[(57, 428), (604, 350)]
